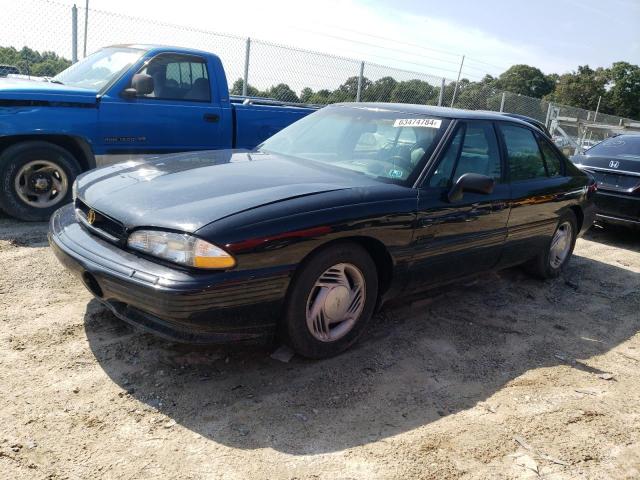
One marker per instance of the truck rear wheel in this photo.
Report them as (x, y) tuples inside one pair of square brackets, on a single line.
[(36, 179)]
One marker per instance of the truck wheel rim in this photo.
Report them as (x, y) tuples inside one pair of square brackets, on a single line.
[(336, 302), (41, 184), (560, 245)]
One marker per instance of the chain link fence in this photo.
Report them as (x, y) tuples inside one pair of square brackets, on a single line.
[(263, 69)]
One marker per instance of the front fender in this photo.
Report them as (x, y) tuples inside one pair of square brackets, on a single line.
[(38, 119)]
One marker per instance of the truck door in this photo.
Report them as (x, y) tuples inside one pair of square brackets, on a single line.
[(182, 112)]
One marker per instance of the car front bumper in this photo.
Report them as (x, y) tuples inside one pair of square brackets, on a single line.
[(179, 305), (619, 208)]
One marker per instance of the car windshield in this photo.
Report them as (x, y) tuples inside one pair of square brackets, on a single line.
[(97, 70), (625, 146), (390, 146)]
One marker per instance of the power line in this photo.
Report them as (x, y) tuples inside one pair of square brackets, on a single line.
[(400, 42), (404, 52)]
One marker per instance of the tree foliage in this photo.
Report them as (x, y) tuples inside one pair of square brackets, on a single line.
[(618, 86), (623, 96), (31, 62), (580, 89), (525, 80)]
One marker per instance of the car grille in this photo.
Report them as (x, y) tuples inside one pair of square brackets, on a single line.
[(615, 181), (101, 224)]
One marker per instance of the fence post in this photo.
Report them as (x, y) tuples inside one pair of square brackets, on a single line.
[(597, 109), (504, 95), (547, 122), (360, 79), (247, 54), (455, 89), (74, 34), (441, 96)]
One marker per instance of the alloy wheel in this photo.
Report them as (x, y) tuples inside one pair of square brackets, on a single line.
[(560, 245), (336, 302)]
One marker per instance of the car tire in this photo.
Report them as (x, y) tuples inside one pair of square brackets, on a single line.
[(552, 260), (37, 179), (331, 300)]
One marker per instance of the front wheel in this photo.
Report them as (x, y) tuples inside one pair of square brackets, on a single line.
[(36, 179), (550, 262), (331, 300)]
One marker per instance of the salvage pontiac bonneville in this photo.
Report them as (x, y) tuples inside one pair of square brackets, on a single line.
[(307, 235)]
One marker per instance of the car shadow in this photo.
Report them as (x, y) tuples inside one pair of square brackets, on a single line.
[(419, 362), (615, 236)]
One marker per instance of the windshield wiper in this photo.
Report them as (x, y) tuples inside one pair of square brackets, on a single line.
[(53, 80)]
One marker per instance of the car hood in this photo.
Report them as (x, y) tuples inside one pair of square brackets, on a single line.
[(24, 89), (618, 163), (188, 191)]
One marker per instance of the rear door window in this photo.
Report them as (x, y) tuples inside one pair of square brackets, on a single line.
[(551, 158), (523, 153)]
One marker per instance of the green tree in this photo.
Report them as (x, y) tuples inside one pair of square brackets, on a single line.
[(525, 80), (282, 92), (306, 94), (236, 89), (320, 97), (580, 89), (380, 90), (482, 95), (348, 91), (31, 62), (623, 94), (414, 91)]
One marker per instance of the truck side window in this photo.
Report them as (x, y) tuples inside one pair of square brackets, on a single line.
[(179, 77)]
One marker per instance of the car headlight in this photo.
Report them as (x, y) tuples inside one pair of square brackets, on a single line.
[(180, 248)]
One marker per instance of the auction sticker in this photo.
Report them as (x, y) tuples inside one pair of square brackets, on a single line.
[(417, 122)]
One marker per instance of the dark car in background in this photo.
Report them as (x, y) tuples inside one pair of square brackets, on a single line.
[(9, 70), (615, 165), (325, 221)]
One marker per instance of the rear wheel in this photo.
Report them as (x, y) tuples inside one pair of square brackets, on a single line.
[(331, 301), (550, 262), (36, 179)]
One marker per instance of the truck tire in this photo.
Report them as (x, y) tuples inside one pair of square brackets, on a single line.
[(37, 179)]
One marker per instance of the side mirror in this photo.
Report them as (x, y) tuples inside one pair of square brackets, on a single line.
[(471, 182), (141, 84)]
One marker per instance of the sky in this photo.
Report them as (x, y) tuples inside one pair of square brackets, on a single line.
[(422, 36)]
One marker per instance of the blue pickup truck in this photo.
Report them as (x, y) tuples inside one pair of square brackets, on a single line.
[(121, 101)]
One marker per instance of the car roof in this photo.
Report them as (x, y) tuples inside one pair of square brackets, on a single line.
[(161, 48), (630, 134), (447, 112)]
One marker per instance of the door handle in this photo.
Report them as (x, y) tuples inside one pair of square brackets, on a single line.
[(211, 117)]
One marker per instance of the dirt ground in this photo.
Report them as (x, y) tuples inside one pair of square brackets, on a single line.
[(502, 377)]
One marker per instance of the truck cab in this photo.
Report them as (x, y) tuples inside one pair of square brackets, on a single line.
[(121, 102)]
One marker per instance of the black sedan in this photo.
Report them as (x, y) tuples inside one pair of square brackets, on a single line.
[(615, 164), (307, 235)]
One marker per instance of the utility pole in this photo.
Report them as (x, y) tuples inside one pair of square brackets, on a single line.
[(74, 34), (455, 89), (86, 20)]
